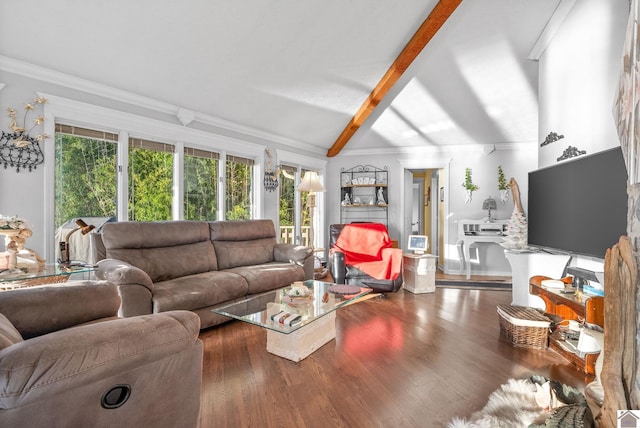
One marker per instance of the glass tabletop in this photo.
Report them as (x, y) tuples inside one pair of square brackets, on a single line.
[(267, 309), (53, 270)]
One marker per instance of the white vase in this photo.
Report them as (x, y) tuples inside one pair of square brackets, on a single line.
[(467, 196), (504, 196)]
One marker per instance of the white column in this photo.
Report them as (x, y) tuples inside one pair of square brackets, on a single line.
[(526, 265)]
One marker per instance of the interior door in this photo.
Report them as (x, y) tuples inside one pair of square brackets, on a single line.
[(407, 208), (416, 210)]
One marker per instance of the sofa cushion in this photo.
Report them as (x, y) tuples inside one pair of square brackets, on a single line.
[(241, 230), (269, 276), (231, 254), (8, 333), (58, 306), (197, 291), (163, 249), (134, 234), (165, 263)]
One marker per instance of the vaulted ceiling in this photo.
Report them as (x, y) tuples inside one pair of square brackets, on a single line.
[(298, 71)]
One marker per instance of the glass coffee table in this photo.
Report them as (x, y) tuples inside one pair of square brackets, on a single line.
[(48, 274), (296, 326)]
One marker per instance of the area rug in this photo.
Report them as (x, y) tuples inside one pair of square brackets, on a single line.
[(535, 402)]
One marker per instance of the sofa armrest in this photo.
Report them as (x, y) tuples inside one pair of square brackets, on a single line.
[(297, 254), (291, 253), (59, 306), (70, 359), (120, 273)]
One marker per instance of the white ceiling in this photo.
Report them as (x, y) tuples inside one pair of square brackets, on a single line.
[(300, 69)]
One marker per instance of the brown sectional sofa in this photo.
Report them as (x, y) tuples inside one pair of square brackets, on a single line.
[(66, 360), (195, 265)]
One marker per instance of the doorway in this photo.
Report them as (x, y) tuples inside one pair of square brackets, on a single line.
[(425, 212)]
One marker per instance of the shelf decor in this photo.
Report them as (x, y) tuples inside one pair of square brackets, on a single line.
[(16, 231), (516, 234), (18, 148), (364, 194), (468, 185), (503, 186)]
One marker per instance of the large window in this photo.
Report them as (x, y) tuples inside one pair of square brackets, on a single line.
[(287, 191), (200, 184), (85, 174), (150, 180), (238, 196), (305, 220)]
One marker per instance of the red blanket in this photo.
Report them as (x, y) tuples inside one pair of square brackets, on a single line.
[(367, 246)]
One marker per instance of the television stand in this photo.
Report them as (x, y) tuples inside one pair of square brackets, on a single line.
[(587, 308)]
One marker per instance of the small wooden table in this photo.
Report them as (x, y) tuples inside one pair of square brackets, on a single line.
[(570, 306)]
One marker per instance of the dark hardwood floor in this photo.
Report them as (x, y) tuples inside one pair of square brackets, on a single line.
[(401, 360)]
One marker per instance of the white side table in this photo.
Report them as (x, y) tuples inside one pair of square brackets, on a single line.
[(419, 272)]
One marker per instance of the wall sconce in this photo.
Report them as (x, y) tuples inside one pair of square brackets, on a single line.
[(19, 149), (270, 180), (65, 253)]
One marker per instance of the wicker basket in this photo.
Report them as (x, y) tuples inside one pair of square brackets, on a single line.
[(524, 327)]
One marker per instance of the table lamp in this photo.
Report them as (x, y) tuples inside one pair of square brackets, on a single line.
[(310, 183), (489, 204)]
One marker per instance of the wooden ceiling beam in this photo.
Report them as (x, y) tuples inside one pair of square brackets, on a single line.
[(438, 16)]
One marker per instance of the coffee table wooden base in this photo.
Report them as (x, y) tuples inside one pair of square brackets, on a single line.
[(303, 342)]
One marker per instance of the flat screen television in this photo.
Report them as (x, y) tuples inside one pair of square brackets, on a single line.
[(579, 206)]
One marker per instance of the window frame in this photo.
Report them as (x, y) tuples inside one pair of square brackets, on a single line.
[(125, 124)]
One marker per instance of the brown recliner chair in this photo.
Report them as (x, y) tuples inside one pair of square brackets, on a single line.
[(66, 360), (344, 272)]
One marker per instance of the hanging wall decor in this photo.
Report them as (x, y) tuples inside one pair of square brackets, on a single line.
[(551, 138), (18, 148), (571, 152), (270, 169), (503, 186), (468, 185)]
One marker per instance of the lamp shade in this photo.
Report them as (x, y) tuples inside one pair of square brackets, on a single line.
[(489, 204), (310, 183)]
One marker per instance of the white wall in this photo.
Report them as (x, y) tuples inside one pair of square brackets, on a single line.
[(578, 75), (516, 160), (21, 194)]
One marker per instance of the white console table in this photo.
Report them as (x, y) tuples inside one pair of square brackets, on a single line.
[(524, 265), (472, 232)]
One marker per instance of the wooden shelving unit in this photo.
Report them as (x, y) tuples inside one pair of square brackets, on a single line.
[(364, 194), (570, 306)]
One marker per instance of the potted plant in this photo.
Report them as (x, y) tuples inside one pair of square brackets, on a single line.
[(468, 185), (503, 186)]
